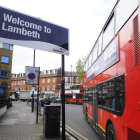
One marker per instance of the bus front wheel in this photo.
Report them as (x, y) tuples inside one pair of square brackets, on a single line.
[(111, 132), (86, 116)]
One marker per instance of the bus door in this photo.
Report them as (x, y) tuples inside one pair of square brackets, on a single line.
[(95, 114)]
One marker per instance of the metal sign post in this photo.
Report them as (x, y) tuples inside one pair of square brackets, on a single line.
[(63, 98), (37, 103), (32, 78)]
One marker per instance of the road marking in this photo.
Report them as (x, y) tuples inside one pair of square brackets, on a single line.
[(76, 132)]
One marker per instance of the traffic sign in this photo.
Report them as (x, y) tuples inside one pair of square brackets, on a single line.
[(32, 75)]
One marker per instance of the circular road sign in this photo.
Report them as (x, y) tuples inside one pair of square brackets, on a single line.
[(31, 76)]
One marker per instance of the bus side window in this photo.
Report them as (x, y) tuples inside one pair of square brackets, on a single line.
[(89, 95), (119, 93), (99, 95), (109, 94)]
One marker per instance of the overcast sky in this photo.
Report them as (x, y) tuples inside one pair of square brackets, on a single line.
[(83, 18)]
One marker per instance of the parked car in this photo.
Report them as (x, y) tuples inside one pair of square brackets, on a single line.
[(57, 99), (13, 98), (45, 101)]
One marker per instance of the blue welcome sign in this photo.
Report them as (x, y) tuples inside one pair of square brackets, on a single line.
[(24, 30)]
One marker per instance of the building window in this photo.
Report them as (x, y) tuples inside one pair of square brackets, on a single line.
[(66, 79), (21, 82), (28, 88), (21, 89), (43, 80), (66, 84), (48, 81), (5, 59), (53, 80), (53, 71), (3, 90), (53, 88), (71, 79), (4, 73), (48, 88), (18, 83), (12, 83), (6, 46), (43, 88), (77, 80)]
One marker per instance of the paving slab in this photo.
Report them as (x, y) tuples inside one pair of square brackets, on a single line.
[(19, 123)]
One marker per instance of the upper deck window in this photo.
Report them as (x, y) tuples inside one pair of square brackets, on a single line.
[(100, 45), (90, 59), (87, 65), (124, 10), (95, 52), (108, 32)]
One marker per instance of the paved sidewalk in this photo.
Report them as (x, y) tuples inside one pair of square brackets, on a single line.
[(19, 123)]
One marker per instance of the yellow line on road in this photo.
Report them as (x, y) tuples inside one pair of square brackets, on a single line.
[(76, 132)]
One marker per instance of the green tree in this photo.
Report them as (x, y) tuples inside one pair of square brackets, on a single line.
[(79, 68)]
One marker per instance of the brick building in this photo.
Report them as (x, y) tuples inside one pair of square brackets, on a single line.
[(6, 53), (49, 82)]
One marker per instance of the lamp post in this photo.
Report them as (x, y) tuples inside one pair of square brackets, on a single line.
[(71, 74), (74, 77)]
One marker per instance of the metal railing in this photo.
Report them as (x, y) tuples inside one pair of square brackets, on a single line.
[(5, 102)]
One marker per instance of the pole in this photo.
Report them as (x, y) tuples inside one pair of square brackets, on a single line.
[(37, 103), (71, 74), (37, 97), (33, 85), (74, 77), (63, 98)]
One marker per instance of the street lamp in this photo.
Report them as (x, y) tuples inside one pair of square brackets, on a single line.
[(71, 74), (74, 77)]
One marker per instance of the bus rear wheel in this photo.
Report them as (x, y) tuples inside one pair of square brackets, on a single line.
[(111, 132)]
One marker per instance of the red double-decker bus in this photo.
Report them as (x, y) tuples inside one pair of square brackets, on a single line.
[(74, 94), (112, 75)]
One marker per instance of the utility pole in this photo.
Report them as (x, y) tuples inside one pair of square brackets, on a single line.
[(33, 85), (63, 97), (71, 74)]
